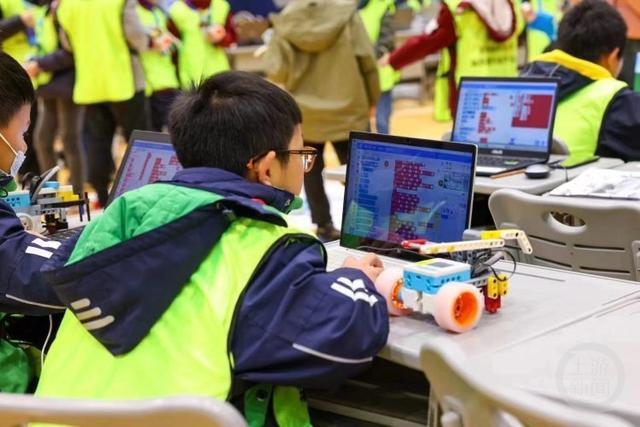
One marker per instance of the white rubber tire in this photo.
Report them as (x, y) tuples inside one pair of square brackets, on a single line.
[(388, 285), (458, 307)]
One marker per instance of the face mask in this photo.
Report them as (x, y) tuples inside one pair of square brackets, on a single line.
[(18, 160)]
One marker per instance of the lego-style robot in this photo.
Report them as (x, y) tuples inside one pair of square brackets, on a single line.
[(44, 206), (457, 289)]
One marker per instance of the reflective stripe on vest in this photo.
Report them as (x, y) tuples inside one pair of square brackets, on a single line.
[(102, 58), (477, 56), (159, 71), (185, 352), (579, 117), (197, 58), (17, 46), (372, 15)]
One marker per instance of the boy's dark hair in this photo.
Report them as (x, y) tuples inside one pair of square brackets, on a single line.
[(16, 89), (229, 119), (591, 29)]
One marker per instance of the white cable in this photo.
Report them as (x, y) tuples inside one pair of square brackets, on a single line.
[(46, 341)]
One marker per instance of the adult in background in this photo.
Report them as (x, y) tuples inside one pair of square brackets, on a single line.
[(321, 53), (106, 37), (630, 10)]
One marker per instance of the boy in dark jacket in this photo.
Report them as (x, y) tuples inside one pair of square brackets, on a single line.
[(199, 286), (21, 254), (597, 113)]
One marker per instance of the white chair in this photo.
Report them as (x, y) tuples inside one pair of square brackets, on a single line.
[(19, 410), (604, 241), (469, 400)]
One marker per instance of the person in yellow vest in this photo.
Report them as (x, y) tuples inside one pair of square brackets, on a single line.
[(597, 113), (17, 38), (52, 71), (106, 38), (211, 291), (200, 25), (474, 38), (542, 18), (160, 72), (377, 18)]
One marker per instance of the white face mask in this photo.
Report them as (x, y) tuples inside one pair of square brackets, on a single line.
[(18, 160)]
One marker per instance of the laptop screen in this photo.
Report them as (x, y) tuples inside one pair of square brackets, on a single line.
[(506, 114), (146, 161), (403, 188)]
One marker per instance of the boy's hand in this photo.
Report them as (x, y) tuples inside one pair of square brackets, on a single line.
[(216, 33), (369, 264), (28, 19), (384, 60)]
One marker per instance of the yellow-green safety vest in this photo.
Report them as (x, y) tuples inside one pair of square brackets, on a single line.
[(46, 40), (159, 71), (579, 116), (104, 72), (477, 55), (372, 15), (17, 46), (537, 41), (199, 318), (197, 58)]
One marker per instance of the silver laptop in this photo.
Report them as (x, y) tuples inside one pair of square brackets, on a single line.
[(400, 188), (509, 119)]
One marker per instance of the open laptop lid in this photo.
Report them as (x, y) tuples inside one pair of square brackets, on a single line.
[(150, 157), (513, 117), (400, 188)]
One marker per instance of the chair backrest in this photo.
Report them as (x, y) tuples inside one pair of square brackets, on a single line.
[(558, 146), (18, 410), (469, 399), (604, 241)]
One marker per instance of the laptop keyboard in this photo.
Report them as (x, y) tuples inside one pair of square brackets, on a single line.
[(67, 234), (497, 161)]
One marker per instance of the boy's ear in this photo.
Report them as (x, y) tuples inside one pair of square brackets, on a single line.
[(262, 168)]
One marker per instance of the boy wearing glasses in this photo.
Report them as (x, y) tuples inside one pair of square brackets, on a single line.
[(198, 286)]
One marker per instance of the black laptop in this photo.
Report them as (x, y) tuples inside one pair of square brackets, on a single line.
[(509, 119)]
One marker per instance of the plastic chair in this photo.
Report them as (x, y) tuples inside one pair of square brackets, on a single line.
[(470, 400), (604, 241), (18, 410)]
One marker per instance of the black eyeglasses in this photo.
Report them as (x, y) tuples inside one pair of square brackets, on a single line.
[(308, 154)]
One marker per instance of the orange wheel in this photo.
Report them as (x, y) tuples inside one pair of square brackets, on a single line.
[(458, 307), (389, 284)]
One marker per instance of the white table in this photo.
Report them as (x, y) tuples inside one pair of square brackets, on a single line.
[(528, 331), (629, 166), (486, 185)]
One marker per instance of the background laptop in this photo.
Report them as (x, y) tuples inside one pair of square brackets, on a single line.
[(509, 119), (150, 157), (400, 188)]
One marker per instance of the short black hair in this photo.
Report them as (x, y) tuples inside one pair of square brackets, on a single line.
[(231, 118), (591, 29), (16, 89)]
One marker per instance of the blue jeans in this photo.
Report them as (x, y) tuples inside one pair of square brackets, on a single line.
[(383, 112)]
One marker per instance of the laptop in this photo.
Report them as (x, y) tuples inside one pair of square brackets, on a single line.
[(509, 119), (150, 157), (400, 188)]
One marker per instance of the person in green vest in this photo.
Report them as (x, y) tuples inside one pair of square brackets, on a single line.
[(160, 72), (17, 38), (200, 25), (52, 71), (243, 307), (106, 38), (22, 254), (377, 18), (542, 18), (474, 38), (597, 113)]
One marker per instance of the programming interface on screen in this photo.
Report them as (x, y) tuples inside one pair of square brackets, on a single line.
[(147, 162), (396, 193), (508, 115)]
